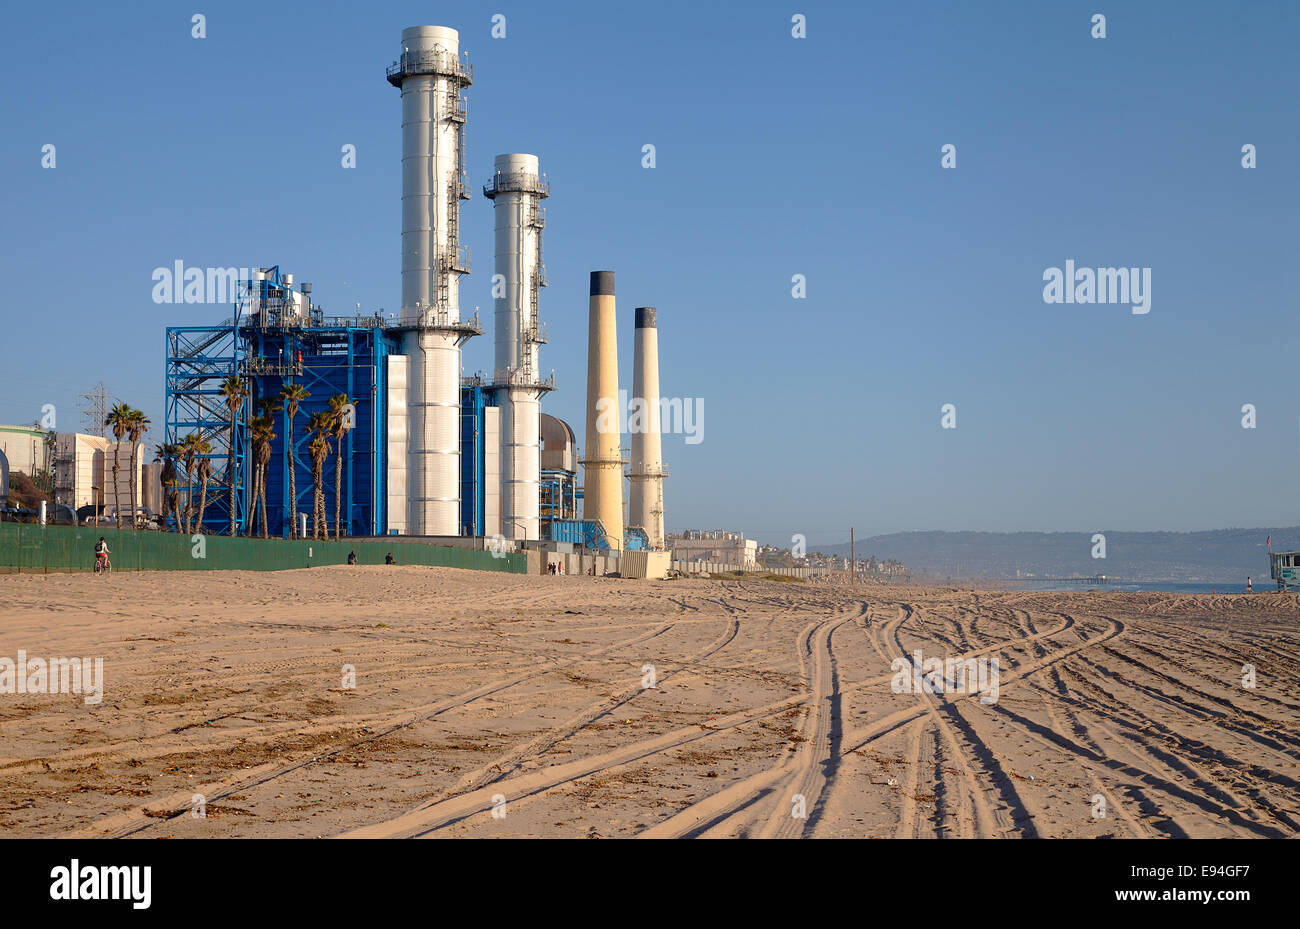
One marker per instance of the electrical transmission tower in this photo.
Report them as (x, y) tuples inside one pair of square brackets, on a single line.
[(94, 409)]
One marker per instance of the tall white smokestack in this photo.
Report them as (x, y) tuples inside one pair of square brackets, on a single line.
[(603, 466), (646, 493), (517, 190), (431, 74)]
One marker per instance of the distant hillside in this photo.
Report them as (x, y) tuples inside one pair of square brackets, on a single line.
[(1212, 555)]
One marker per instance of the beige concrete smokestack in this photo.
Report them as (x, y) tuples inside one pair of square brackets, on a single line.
[(603, 475), (646, 494)]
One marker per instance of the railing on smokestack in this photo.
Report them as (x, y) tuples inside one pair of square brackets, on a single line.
[(434, 61), (661, 471), (518, 181), (520, 377), (439, 319), (538, 334), (457, 107), (460, 261)]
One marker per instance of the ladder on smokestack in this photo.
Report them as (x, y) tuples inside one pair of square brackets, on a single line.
[(457, 112)]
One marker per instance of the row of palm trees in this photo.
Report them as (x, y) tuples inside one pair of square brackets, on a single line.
[(125, 423), (192, 451)]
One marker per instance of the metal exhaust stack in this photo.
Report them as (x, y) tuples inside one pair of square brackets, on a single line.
[(646, 494), (517, 190), (603, 475), (430, 74)]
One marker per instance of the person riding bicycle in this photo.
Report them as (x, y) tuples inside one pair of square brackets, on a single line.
[(101, 553)]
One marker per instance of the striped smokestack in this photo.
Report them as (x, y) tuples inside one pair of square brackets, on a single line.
[(603, 475), (646, 494)]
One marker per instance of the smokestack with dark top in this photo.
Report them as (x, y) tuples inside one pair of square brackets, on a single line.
[(603, 474), (646, 493)]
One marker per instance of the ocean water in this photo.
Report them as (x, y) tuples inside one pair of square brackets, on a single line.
[(1172, 587)]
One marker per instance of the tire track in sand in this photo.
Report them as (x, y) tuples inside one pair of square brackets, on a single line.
[(720, 813), (499, 768), (141, 818)]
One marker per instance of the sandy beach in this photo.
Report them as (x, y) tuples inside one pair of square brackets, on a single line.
[(497, 705)]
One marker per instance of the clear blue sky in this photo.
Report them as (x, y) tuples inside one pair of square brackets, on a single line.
[(776, 156)]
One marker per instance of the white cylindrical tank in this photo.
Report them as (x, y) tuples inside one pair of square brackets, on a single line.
[(517, 190), (645, 492), (431, 75)]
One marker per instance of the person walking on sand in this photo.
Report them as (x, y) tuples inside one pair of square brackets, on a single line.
[(352, 557), (389, 559), (1248, 590)]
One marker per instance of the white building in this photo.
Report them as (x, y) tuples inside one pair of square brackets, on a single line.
[(730, 548), (25, 448), (83, 470)]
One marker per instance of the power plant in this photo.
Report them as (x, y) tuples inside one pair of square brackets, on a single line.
[(426, 450)]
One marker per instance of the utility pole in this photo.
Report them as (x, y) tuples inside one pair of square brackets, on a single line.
[(853, 558)]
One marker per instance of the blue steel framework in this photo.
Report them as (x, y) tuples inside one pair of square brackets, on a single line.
[(590, 533), (559, 490), (270, 348), (328, 356), (474, 397), (198, 359), (338, 356)]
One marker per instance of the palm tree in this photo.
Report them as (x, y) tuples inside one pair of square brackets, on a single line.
[(292, 395), (269, 407), (319, 449), (136, 426), (233, 391), (118, 418), (189, 452), (204, 472), (340, 423), (51, 447), (166, 453), (261, 428)]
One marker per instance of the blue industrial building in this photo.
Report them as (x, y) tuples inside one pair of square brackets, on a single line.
[(277, 338)]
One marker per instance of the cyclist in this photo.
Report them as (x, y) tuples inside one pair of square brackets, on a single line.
[(101, 554)]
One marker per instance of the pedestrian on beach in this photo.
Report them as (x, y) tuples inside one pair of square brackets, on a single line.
[(352, 557), (1248, 590), (389, 559)]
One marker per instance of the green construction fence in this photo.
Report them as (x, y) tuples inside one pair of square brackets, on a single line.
[(34, 549)]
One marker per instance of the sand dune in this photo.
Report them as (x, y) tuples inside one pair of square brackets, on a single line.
[(494, 705)]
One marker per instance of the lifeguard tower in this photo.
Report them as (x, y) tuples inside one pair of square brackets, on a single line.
[(1285, 569)]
